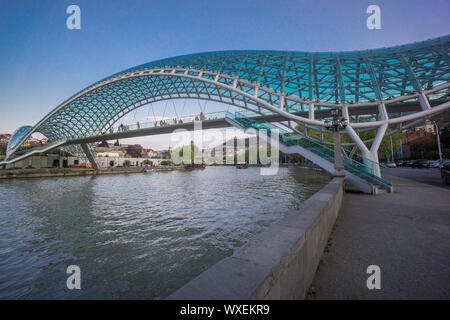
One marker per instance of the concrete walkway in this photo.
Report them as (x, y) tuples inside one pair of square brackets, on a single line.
[(406, 233)]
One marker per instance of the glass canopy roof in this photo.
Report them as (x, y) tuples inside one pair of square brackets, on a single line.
[(326, 77)]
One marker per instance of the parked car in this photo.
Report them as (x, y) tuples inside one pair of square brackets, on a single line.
[(409, 163), (416, 164), (444, 162), (400, 163), (445, 173), (391, 164), (435, 164), (421, 164)]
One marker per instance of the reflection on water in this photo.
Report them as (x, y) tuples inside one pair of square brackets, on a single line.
[(135, 235)]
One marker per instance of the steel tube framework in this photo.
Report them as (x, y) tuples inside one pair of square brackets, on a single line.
[(276, 82)]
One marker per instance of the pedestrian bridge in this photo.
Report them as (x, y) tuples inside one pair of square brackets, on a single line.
[(392, 87)]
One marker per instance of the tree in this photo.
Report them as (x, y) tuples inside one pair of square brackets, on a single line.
[(424, 149), (135, 150), (147, 162), (385, 147), (165, 163), (180, 152), (384, 151), (445, 136), (126, 163)]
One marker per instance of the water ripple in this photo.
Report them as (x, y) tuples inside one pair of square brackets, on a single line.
[(138, 235)]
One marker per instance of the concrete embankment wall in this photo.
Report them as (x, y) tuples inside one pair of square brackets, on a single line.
[(105, 160), (279, 263), (70, 172)]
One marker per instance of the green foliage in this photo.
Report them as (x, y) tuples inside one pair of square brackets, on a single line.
[(56, 151), (432, 155), (147, 162), (445, 136), (446, 153), (384, 152), (426, 149), (291, 158), (326, 135), (181, 150), (165, 162), (127, 163)]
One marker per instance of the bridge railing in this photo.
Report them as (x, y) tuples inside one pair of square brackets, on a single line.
[(167, 122), (34, 149), (180, 120)]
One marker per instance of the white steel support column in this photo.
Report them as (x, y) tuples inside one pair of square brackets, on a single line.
[(374, 150), (361, 146), (311, 111), (438, 141), (353, 135), (380, 132), (378, 139), (338, 163), (424, 104), (370, 157)]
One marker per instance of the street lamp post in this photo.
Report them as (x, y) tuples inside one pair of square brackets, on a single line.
[(438, 141), (392, 150), (336, 125)]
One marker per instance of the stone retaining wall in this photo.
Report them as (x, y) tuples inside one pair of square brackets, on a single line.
[(69, 172)]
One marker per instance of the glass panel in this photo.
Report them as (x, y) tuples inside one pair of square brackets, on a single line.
[(365, 168), (16, 138)]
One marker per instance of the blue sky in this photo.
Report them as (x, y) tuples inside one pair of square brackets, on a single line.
[(42, 62)]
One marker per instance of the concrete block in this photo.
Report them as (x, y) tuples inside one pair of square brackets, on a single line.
[(228, 279), (269, 248)]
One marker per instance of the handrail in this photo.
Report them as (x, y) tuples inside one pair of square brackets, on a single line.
[(35, 149), (168, 121), (364, 170)]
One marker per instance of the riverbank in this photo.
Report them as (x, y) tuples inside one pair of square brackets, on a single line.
[(73, 172), (405, 233)]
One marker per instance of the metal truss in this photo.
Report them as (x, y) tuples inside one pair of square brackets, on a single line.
[(272, 81)]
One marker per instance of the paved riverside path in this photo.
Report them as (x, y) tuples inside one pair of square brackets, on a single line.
[(406, 233)]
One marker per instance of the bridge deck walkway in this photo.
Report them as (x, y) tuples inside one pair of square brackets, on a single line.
[(405, 233)]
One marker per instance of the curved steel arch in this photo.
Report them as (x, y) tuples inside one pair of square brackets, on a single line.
[(279, 81)]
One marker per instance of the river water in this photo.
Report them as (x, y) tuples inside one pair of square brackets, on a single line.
[(135, 236)]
